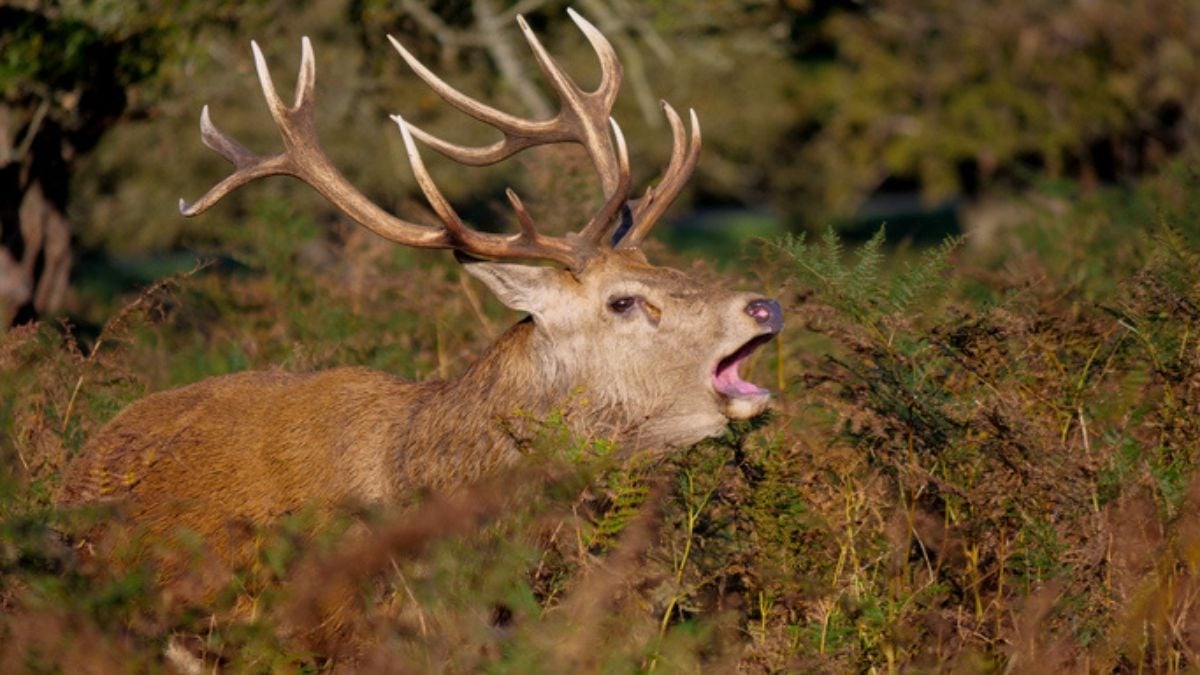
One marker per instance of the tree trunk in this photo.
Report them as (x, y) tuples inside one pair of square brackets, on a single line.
[(35, 240)]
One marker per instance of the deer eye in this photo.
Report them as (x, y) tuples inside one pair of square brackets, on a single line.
[(622, 304)]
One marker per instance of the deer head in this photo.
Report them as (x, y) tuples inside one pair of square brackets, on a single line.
[(654, 352)]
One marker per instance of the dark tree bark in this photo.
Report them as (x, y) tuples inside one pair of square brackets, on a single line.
[(35, 240), (54, 109)]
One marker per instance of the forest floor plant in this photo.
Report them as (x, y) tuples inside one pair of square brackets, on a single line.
[(981, 461)]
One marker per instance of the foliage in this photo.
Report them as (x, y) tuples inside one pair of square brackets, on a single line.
[(60, 53), (1016, 430), (974, 465), (70, 71), (982, 456), (949, 99), (964, 97), (953, 99)]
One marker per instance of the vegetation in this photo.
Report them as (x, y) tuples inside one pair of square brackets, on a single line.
[(982, 457), (970, 98), (69, 72), (974, 465)]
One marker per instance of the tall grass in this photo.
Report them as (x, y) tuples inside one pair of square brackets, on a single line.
[(980, 461)]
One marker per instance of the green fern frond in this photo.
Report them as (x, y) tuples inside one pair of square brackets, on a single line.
[(926, 278), (861, 289)]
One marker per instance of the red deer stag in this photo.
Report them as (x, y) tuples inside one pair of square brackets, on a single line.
[(644, 354)]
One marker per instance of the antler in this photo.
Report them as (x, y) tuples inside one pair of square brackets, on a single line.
[(584, 118), (655, 201)]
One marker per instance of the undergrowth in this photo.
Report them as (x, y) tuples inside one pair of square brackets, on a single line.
[(978, 462)]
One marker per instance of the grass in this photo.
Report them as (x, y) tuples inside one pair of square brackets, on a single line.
[(980, 460)]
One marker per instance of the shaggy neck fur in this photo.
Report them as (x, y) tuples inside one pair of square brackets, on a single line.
[(463, 428)]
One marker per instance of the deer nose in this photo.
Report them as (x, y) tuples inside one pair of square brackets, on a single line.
[(767, 313)]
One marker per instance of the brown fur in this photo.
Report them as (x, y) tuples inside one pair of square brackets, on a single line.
[(627, 350), (243, 449)]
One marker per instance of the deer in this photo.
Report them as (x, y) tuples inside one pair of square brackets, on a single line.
[(645, 355)]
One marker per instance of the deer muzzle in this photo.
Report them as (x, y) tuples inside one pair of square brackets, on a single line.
[(745, 399)]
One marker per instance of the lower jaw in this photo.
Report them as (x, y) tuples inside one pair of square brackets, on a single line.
[(745, 407)]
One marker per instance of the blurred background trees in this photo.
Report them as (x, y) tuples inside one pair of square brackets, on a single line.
[(814, 112), (69, 72), (960, 100)]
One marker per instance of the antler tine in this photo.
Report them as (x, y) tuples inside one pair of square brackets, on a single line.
[(598, 226), (306, 78), (523, 217), (303, 158), (527, 244), (518, 133), (432, 194), (610, 66), (655, 202), (278, 110), (247, 166), (582, 118), (584, 114)]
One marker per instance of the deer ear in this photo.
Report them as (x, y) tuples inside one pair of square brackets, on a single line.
[(525, 288)]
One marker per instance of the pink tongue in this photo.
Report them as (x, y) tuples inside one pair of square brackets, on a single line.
[(726, 380)]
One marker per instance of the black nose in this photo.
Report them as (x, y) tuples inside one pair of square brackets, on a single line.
[(767, 313)]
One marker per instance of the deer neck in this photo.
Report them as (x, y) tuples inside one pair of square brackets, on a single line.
[(462, 428), (517, 375)]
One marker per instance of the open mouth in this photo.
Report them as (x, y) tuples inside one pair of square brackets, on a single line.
[(727, 381)]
